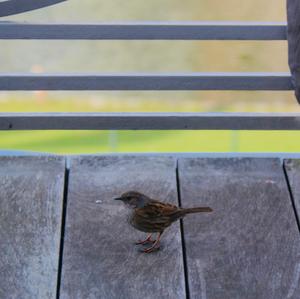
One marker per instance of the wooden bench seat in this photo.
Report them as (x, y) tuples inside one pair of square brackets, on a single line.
[(249, 247)]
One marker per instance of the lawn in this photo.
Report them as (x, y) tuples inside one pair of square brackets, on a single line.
[(151, 141), (75, 142), (149, 56)]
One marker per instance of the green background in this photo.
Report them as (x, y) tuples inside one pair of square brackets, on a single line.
[(149, 56)]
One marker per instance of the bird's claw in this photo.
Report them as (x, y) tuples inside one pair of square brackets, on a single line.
[(151, 249), (144, 242)]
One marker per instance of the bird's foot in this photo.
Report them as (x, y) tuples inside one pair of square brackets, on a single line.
[(151, 249), (145, 242), (155, 245)]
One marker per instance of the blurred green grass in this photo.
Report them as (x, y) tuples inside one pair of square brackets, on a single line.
[(76, 142), (150, 141), (149, 56)]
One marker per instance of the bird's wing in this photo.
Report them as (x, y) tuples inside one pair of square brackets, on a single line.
[(155, 216), (156, 208)]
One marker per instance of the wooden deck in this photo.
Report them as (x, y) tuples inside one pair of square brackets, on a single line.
[(63, 236)]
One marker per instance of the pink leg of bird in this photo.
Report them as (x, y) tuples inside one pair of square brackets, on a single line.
[(147, 240), (154, 247)]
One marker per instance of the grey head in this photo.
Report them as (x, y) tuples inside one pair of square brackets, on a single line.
[(134, 199)]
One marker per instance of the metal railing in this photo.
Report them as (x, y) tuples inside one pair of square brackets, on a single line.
[(179, 81)]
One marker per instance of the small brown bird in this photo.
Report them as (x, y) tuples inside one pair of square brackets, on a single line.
[(152, 216)]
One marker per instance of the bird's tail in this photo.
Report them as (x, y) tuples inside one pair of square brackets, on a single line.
[(180, 213), (197, 210)]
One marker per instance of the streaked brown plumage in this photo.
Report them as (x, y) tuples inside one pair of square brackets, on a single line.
[(152, 216)]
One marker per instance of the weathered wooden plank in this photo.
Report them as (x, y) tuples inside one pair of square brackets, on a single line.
[(12, 7), (292, 168), (249, 247), (31, 196), (146, 31), (190, 81), (100, 259), (149, 121), (293, 33)]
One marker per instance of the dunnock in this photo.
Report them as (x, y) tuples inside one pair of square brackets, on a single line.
[(152, 216)]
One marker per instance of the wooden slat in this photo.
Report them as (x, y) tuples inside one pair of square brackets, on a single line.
[(11, 7), (249, 247), (146, 31), (149, 121), (100, 259), (31, 196), (292, 168), (191, 81)]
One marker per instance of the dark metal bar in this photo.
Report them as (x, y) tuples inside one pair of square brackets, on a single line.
[(148, 121), (190, 81), (12, 7), (146, 31), (293, 14)]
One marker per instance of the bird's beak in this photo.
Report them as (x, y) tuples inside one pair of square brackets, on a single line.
[(118, 198)]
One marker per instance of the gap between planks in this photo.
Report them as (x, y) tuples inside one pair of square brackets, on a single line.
[(291, 196), (186, 278), (63, 225)]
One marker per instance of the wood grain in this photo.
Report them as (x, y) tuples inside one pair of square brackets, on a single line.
[(292, 168), (100, 259), (31, 196), (249, 247)]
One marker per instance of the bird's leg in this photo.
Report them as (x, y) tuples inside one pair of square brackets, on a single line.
[(147, 240), (154, 247)]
